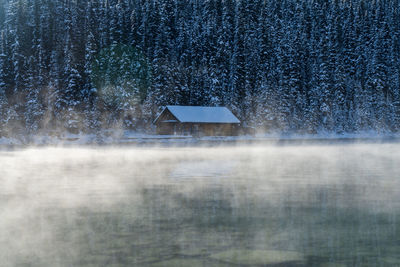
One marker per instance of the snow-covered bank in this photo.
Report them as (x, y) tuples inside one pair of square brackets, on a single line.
[(101, 138), (135, 138), (373, 135)]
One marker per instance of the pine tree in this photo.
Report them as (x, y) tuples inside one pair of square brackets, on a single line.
[(3, 97), (238, 62)]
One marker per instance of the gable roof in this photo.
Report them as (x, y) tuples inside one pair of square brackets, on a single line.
[(197, 114)]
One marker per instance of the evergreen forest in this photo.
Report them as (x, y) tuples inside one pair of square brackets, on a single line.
[(304, 66)]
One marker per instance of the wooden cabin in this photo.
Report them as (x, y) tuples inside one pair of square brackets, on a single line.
[(197, 121)]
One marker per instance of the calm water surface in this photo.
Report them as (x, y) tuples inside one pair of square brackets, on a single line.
[(322, 205)]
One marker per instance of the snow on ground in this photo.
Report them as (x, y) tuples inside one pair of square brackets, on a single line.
[(120, 137), (374, 135), (6, 141)]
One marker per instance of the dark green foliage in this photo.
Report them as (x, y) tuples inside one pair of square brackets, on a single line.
[(121, 66)]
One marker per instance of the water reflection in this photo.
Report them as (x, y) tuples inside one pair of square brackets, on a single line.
[(240, 206)]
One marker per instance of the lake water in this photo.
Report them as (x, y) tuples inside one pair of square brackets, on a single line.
[(290, 205)]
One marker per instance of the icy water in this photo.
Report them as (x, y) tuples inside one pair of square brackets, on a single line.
[(293, 205)]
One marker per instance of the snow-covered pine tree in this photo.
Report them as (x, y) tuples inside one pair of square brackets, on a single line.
[(34, 109), (238, 62), (3, 98)]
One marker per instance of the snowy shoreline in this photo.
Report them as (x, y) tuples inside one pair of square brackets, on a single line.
[(128, 138)]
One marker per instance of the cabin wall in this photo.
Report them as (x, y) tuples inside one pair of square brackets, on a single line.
[(166, 128), (165, 116), (218, 129), (197, 129)]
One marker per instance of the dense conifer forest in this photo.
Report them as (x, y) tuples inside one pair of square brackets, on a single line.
[(287, 65)]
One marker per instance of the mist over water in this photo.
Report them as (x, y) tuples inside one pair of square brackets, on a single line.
[(293, 205)]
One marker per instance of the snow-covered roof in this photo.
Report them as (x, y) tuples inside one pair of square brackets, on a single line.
[(197, 114)]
